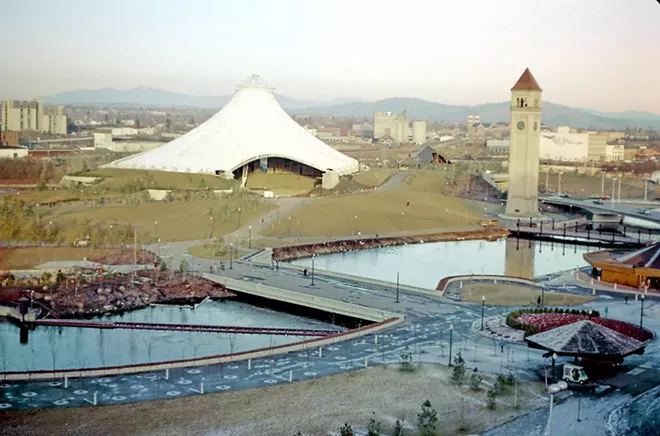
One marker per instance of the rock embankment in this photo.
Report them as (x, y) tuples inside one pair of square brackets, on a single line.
[(300, 251), (90, 294)]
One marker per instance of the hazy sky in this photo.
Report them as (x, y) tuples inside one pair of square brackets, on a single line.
[(586, 53)]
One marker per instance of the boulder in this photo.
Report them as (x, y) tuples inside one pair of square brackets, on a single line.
[(38, 295)]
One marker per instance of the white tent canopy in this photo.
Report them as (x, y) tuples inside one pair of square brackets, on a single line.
[(251, 126)]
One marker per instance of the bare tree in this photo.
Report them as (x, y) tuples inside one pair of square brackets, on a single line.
[(232, 345), (54, 352)]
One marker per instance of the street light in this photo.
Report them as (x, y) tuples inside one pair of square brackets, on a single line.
[(231, 264), (249, 236), (289, 230), (397, 287), (559, 183), (552, 390), (451, 339), (211, 221), (613, 185), (239, 217), (156, 228), (483, 303), (313, 256), (356, 230), (641, 313)]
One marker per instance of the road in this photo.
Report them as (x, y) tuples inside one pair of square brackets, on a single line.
[(618, 208)]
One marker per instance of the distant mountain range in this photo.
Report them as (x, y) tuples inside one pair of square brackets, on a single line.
[(553, 114)]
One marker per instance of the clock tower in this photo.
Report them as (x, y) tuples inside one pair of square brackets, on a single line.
[(524, 150)]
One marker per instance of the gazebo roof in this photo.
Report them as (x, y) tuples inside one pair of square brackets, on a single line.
[(646, 257), (585, 338)]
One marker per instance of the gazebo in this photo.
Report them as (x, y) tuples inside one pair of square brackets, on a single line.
[(586, 339)]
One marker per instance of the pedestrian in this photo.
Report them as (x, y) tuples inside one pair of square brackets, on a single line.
[(211, 269), (538, 301), (607, 310), (626, 299), (502, 345)]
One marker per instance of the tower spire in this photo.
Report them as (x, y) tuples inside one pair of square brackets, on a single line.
[(527, 82)]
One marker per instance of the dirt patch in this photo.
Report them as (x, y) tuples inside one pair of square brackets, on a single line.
[(314, 407), (517, 295)]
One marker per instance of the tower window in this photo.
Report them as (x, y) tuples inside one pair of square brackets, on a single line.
[(517, 102), (524, 101)]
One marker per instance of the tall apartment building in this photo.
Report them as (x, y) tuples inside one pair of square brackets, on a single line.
[(18, 116), (389, 124)]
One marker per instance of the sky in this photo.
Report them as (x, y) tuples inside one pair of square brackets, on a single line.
[(600, 54)]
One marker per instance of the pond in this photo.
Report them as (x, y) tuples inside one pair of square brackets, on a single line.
[(72, 347), (423, 265)]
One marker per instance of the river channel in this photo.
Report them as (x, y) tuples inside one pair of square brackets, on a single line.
[(68, 347), (423, 265)]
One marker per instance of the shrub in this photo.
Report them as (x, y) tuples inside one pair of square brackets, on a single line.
[(346, 430), (373, 429), (491, 395), (427, 419), (475, 381), (405, 361), (458, 370)]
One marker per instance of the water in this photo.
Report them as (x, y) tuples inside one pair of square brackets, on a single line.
[(68, 347), (424, 265)]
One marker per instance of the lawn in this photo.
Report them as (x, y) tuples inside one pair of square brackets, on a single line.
[(115, 179), (281, 184), (431, 181), (169, 221), (373, 177), (314, 407), (376, 212), (215, 252), (517, 295), (28, 258)]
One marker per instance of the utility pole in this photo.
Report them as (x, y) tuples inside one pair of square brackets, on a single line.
[(602, 184), (134, 250), (646, 189), (619, 194)]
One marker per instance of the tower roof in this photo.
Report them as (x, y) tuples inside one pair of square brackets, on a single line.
[(527, 82)]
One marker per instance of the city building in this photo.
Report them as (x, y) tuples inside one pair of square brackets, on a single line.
[(250, 133), (392, 126), (426, 156), (524, 149), (8, 139), (614, 152), (498, 145), (19, 116), (563, 145), (419, 132)]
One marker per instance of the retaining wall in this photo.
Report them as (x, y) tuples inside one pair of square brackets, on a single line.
[(442, 284), (10, 312)]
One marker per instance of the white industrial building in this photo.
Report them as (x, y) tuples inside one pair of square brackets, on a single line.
[(392, 126), (419, 132), (564, 146), (251, 133)]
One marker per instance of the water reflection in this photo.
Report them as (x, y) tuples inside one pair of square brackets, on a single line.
[(424, 265), (50, 348)]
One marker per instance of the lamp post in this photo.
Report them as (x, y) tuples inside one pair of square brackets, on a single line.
[(356, 229), (289, 230), (239, 217), (451, 339), (483, 303), (231, 263), (156, 229), (552, 390), (211, 222), (559, 183), (313, 256), (249, 236), (397, 287), (619, 192), (542, 297), (641, 313), (613, 185)]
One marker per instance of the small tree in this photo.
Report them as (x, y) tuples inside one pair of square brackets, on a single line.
[(398, 428), (405, 361), (373, 429), (458, 370), (490, 397), (162, 266), (475, 381), (183, 266), (346, 430), (427, 420)]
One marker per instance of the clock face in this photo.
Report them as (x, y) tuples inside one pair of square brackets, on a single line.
[(521, 125), (536, 125)]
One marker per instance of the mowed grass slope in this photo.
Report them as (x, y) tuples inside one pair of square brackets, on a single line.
[(376, 212), (177, 221), (116, 178), (373, 177), (518, 295), (29, 257)]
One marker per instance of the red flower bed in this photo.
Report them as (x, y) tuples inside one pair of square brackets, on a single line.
[(548, 321)]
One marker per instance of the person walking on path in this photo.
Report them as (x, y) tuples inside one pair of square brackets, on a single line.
[(607, 310), (502, 345)]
